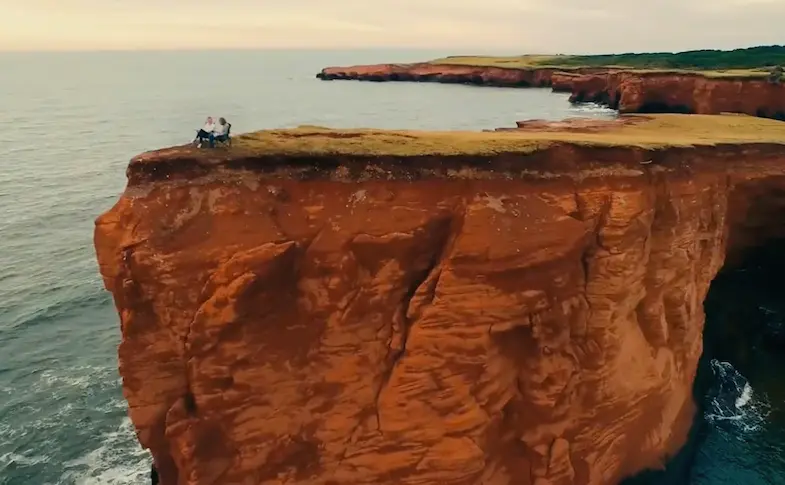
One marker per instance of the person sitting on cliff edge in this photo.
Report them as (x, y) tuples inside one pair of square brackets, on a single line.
[(205, 132), (220, 132)]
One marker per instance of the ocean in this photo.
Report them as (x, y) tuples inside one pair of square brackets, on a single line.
[(70, 122)]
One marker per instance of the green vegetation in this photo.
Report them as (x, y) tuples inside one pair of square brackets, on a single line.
[(753, 61), (750, 58)]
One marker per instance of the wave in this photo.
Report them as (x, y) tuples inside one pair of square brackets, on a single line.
[(72, 441), (592, 109), (56, 397), (732, 403), (118, 460), (91, 295), (21, 459), (78, 377)]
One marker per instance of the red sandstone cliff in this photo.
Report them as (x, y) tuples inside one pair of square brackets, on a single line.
[(522, 318), (446, 73), (627, 91), (681, 93)]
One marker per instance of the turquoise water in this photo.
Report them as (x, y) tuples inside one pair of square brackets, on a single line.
[(744, 439), (69, 124)]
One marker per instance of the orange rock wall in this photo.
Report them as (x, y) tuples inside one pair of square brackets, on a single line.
[(445, 73), (646, 93), (564, 82), (380, 324), (629, 92)]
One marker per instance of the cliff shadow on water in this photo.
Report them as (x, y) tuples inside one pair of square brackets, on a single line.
[(738, 436)]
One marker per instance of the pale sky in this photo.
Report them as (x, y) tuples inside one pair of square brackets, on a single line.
[(462, 26)]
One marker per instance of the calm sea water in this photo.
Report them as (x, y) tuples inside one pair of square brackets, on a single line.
[(69, 124)]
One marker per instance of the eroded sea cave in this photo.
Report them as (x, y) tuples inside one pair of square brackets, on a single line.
[(738, 436)]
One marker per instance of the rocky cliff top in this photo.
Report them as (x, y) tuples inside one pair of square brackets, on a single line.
[(308, 150), (513, 64)]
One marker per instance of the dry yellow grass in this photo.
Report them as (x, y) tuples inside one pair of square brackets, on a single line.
[(511, 62), (543, 61), (733, 73), (650, 131)]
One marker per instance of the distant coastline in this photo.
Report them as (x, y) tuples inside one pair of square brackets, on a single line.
[(748, 81)]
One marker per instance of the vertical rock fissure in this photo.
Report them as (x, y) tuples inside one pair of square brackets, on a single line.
[(445, 238), (659, 223), (590, 249)]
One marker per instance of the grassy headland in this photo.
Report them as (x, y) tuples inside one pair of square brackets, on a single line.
[(644, 131), (753, 61)]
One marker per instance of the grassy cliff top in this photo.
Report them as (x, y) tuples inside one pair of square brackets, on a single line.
[(645, 131), (539, 62), (750, 62)]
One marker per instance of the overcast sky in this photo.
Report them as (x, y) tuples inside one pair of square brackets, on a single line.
[(526, 26)]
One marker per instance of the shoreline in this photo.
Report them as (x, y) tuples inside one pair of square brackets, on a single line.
[(624, 89)]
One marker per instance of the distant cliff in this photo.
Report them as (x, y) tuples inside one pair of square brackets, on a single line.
[(628, 91), (333, 307)]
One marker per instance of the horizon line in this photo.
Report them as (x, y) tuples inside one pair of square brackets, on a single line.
[(467, 50), (226, 49)]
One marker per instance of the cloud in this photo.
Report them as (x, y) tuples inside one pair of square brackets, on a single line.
[(539, 26)]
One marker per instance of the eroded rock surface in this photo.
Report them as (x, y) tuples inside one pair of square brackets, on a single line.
[(638, 92), (467, 325), (459, 74)]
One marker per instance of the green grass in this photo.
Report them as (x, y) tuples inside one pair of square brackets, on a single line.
[(749, 58), (750, 62)]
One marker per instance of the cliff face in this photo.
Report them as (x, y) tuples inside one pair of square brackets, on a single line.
[(510, 319), (673, 93), (627, 91), (445, 73)]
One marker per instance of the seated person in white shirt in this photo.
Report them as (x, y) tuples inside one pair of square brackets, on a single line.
[(206, 131), (220, 132)]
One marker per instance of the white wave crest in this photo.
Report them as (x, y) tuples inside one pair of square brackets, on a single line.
[(22, 459), (119, 460), (79, 377), (733, 401), (745, 397)]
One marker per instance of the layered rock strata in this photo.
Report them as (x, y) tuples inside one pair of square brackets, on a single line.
[(627, 91), (643, 92), (312, 307), (455, 74)]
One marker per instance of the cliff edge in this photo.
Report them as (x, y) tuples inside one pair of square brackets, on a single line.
[(320, 306), (627, 90)]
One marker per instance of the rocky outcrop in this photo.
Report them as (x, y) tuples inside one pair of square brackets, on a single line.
[(596, 88), (450, 74), (527, 317), (681, 93), (563, 82), (627, 91)]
